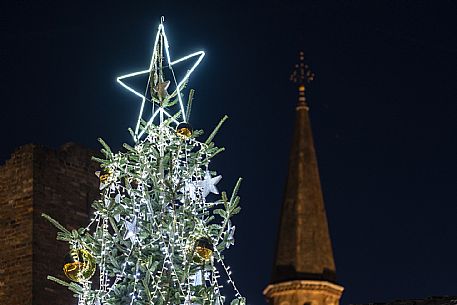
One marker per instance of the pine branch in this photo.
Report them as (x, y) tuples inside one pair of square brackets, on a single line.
[(236, 189), (56, 224), (113, 225), (168, 102), (99, 160), (189, 103), (75, 288), (215, 131), (219, 150), (132, 133), (230, 206), (106, 149), (129, 148), (58, 281)]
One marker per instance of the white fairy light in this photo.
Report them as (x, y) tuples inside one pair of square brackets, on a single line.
[(155, 224)]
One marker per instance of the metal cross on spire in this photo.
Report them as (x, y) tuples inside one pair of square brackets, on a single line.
[(302, 75)]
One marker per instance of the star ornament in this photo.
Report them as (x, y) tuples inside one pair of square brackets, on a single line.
[(208, 185), (132, 230), (161, 41), (161, 89)]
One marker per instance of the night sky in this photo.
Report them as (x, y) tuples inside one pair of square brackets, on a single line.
[(383, 111)]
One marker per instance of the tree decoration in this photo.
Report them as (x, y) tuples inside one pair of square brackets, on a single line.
[(79, 265), (154, 236), (184, 129), (103, 175), (158, 84), (204, 249), (132, 230), (209, 184), (161, 89)]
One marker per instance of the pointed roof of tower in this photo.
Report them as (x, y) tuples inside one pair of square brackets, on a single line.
[(304, 249)]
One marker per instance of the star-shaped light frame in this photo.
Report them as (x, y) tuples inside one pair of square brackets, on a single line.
[(161, 111)]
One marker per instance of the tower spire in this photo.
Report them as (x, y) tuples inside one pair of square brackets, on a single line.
[(304, 266)]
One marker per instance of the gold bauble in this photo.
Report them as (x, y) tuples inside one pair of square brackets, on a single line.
[(104, 175), (203, 249), (184, 129), (79, 265)]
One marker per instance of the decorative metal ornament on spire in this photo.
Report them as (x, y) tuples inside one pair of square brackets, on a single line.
[(156, 90), (302, 75)]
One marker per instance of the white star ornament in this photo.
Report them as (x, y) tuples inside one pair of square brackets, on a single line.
[(208, 185), (132, 230)]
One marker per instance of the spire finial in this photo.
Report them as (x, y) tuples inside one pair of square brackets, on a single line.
[(301, 76)]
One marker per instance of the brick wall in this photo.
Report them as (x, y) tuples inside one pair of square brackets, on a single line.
[(62, 184), (16, 223)]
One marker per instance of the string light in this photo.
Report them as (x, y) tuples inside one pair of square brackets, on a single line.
[(170, 64), (146, 236)]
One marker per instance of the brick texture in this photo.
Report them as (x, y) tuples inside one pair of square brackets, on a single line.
[(16, 227), (60, 183)]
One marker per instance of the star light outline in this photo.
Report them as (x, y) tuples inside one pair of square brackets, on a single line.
[(161, 110)]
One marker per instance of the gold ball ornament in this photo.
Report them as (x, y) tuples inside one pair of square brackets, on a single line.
[(184, 129), (79, 265), (203, 250), (104, 175)]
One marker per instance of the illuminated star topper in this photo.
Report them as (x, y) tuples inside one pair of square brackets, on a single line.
[(157, 85)]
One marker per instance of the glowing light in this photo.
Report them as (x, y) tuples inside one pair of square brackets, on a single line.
[(161, 111)]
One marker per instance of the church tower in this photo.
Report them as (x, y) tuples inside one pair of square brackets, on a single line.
[(304, 269)]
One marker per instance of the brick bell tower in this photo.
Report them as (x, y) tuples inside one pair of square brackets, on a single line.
[(37, 179), (304, 269)]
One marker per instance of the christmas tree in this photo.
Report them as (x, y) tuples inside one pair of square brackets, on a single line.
[(154, 238)]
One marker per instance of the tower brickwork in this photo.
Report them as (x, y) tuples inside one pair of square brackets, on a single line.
[(34, 180), (304, 269), (16, 228)]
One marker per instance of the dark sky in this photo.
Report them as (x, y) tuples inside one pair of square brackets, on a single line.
[(383, 109)]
